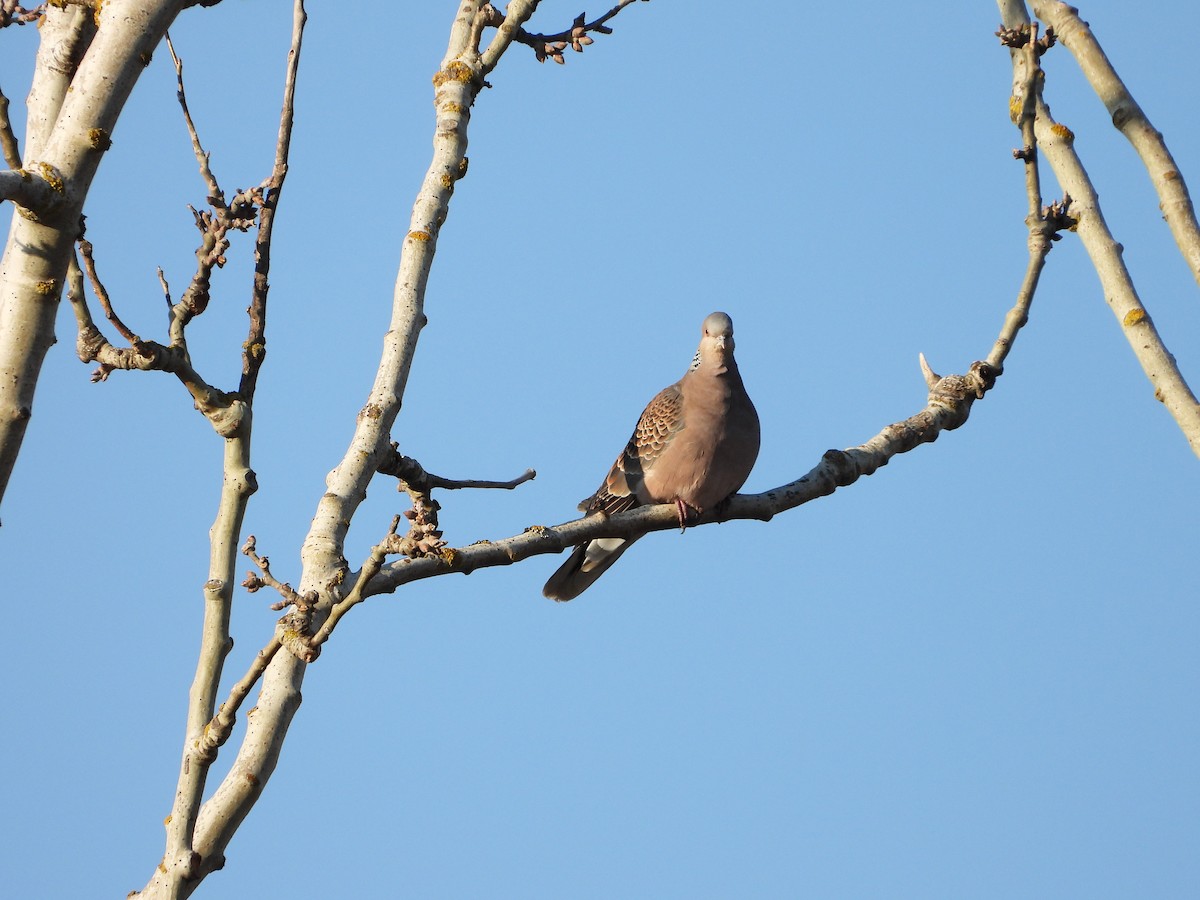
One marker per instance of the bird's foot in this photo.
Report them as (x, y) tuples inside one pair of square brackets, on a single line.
[(683, 510)]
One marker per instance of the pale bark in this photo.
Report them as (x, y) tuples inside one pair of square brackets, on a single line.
[(457, 85), (69, 132), (188, 856), (1130, 119), (1057, 142)]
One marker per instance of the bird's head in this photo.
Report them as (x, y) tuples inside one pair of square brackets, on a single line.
[(716, 342)]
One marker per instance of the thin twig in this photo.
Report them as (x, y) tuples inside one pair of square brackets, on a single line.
[(214, 226), (550, 46), (255, 582), (8, 138), (357, 594), (215, 196), (12, 13), (597, 24), (1043, 224), (89, 263), (166, 288), (413, 474), (90, 344), (221, 725), (254, 347), (451, 484), (225, 412)]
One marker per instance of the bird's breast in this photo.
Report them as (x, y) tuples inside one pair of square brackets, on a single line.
[(708, 459)]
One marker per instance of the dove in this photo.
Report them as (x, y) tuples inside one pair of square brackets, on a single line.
[(694, 446)]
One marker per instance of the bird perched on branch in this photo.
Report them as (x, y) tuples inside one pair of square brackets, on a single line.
[(694, 446)]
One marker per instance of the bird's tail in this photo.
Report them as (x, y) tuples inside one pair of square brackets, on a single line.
[(583, 567)]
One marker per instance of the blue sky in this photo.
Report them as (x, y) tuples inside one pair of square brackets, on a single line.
[(973, 674)]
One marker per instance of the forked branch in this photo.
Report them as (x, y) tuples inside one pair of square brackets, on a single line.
[(548, 46), (1057, 142), (1044, 223), (188, 855), (1130, 119)]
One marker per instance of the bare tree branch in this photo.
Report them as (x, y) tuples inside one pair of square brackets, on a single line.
[(68, 133), (8, 139), (218, 730), (89, 265), (1057, 142), (215, 195), (456, 85), (38, 192), (551, 46), (189, 855), (371, 567), (227, 413), (1043, 223), (11, 13), (413, 475), (266, 579), (507, 26), (1129, 118), (66, 35), (254, 349), (948, 406)]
